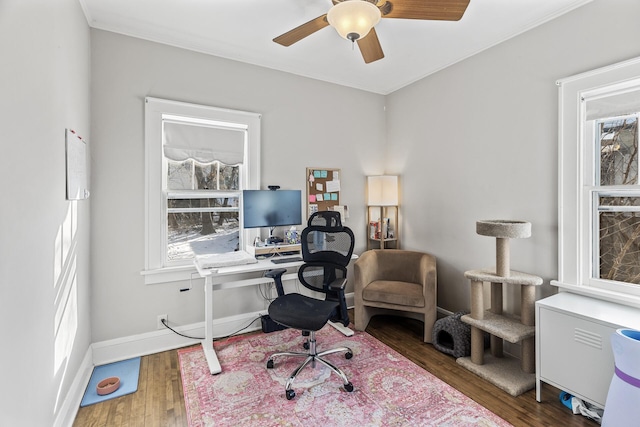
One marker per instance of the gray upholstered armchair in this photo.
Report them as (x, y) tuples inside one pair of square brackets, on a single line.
[(393, 279)]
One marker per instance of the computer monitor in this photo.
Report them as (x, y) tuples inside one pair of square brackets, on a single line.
[(269, 208)]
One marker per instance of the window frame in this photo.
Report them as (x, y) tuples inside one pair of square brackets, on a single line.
[(156, 110), (577, 184)]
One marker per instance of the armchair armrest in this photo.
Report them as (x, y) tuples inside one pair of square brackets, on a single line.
[(365, 270), (429, 276)]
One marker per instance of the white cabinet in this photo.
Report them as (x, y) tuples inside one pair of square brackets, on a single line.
[(573, 343)]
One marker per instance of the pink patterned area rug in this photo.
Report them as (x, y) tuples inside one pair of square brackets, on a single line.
[(389, 390)]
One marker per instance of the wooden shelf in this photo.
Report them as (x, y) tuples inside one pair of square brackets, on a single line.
[(383, 240), (377, 214), (258, 251)]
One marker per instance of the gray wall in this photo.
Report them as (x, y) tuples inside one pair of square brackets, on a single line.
[(44, 248), (305, 123), (479, 141)]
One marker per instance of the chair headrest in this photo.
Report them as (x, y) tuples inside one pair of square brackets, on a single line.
[(325, 219), (327, 244)]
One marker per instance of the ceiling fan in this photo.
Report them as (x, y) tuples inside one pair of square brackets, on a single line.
[(355, 20)]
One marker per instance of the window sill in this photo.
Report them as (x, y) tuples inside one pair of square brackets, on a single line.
[(615, 297), (169, 274)]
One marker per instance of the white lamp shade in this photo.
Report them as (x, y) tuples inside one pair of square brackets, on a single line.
[(353, 19), (382, 190)]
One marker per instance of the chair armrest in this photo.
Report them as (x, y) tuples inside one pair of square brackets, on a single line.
[(338, 285)]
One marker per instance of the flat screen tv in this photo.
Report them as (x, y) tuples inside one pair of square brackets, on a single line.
[(271, 208)]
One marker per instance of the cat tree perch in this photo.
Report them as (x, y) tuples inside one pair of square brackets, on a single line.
[(496, 367)]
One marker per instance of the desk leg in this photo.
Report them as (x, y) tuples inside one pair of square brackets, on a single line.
[(207, 343)]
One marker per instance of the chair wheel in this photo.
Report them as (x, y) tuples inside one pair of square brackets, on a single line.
[(291, 394), (270, 364), (348, 387), (348, 355)]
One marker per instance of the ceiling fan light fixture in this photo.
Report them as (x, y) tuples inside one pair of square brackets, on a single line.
[(353, 19)]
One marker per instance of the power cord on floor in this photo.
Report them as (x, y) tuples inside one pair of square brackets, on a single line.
[(164, 322)]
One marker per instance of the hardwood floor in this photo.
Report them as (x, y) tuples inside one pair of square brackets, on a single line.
[(159, 400), (404, 336)]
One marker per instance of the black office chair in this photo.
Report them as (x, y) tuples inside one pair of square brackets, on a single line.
[(326, 250)]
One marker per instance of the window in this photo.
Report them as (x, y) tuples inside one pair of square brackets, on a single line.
[(599, 190), (616, 201), (198, 161), (202, 165)]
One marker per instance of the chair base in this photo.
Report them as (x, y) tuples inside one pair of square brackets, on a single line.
[(311, 357)]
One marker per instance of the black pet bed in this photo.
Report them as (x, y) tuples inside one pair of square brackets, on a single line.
[(452, 336)]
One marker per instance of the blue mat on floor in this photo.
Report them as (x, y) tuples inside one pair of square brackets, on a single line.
[(127, 370)]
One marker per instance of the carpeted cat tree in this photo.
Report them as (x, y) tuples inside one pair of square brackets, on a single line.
[(513, 376)]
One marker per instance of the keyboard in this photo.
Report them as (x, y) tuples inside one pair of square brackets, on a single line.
[(229, 259), (284, 260)]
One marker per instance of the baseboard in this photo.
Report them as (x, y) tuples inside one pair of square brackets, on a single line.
[(158, 341), (69, 409), (444, 313)]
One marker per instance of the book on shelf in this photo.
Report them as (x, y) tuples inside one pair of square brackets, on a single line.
[(378, 229), (385, 228), (374, 232)]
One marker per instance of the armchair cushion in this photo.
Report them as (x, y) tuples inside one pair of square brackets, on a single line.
[(394, 292)]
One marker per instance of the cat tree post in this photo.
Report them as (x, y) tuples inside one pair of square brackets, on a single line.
[(503, 269), (503, 259)]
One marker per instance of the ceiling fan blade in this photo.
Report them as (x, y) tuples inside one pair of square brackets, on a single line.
[(304, 30), (440, 10), (370, 47)]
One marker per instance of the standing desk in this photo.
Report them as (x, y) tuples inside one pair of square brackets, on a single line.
[(215, 279)]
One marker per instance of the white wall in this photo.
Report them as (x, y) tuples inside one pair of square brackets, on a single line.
[(305, 123), (44, 248), (479, 141)]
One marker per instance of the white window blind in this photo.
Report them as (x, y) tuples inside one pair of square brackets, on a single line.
[(612, 104), (202, 143)]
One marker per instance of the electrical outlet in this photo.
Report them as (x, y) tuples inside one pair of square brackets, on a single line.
[(162, 317)]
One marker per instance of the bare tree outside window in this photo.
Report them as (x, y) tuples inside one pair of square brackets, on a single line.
[(203, 209), (618, 212)]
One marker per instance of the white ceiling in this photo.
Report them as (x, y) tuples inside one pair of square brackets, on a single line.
[(243, 30)]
